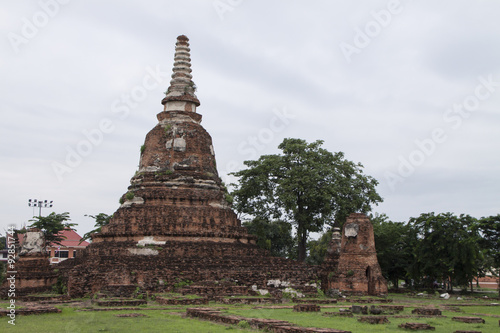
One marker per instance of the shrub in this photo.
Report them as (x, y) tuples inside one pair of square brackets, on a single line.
[(243, 324)]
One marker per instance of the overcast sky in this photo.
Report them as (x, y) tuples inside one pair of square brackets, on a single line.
[(410, 89)]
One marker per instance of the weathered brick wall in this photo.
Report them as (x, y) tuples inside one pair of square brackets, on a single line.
[(240, 264), (33, 274)]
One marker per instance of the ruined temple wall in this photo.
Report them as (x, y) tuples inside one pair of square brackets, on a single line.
[(160, 267), (354, 268)]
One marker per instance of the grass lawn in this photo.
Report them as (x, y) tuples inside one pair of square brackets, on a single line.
[(72, 321), (170, 320)]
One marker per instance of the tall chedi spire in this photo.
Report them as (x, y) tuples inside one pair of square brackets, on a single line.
[(176, 193), (181, 93)]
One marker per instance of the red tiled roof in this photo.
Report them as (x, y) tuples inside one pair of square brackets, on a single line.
[(72, 239)]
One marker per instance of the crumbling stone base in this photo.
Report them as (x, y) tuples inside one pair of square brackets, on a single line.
[(373, 320), (417, 326), (470, 320), (32, 310), (121, 302), (182, 301), (426, 312), (306, 308)]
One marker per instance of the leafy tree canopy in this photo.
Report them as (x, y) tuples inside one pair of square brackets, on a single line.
[(101, 220), (446, 248), (306, 186)]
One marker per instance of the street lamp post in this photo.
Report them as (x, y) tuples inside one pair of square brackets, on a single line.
[(40, 204)]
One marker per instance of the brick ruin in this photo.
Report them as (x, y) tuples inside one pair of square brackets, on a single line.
[(351, 266), (175, 226), (175, 229), (32, 270)]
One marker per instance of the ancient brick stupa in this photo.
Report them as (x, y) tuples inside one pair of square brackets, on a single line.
[(174, 225), (31, 268), (176, 193), (351, 266)]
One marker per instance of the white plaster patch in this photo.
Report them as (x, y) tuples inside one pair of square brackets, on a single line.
[(33, 243), (169, 144), (145, 251), (278, 283), (149, 240), (212, 150), (293, 292), (150, 168), (311, 285), (179, 144), (351, 230), (263, 292)]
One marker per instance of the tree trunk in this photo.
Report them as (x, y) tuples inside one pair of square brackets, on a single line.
[(302, 238)]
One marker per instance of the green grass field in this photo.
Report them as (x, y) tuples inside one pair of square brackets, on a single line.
[(160, 318)]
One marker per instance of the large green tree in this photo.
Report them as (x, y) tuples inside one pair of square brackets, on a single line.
[(446, 249), (51, 225), (306, 186)]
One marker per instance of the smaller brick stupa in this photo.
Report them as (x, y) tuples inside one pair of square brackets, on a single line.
[(31, 269), (351, 266)]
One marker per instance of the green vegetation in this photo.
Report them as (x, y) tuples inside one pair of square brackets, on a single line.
[(106, 321), (306, 186), (51, 225), (130, 195), (101, 220), (59, 288), (275, 236), (182, 283), (143, 147), (167, 129)]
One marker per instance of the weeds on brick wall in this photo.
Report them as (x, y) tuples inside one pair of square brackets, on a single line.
[(182, 283), (161, 173), (167, 129), (143, 147), (350, 273), (59, 287), (243, 324), (130, 195)]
